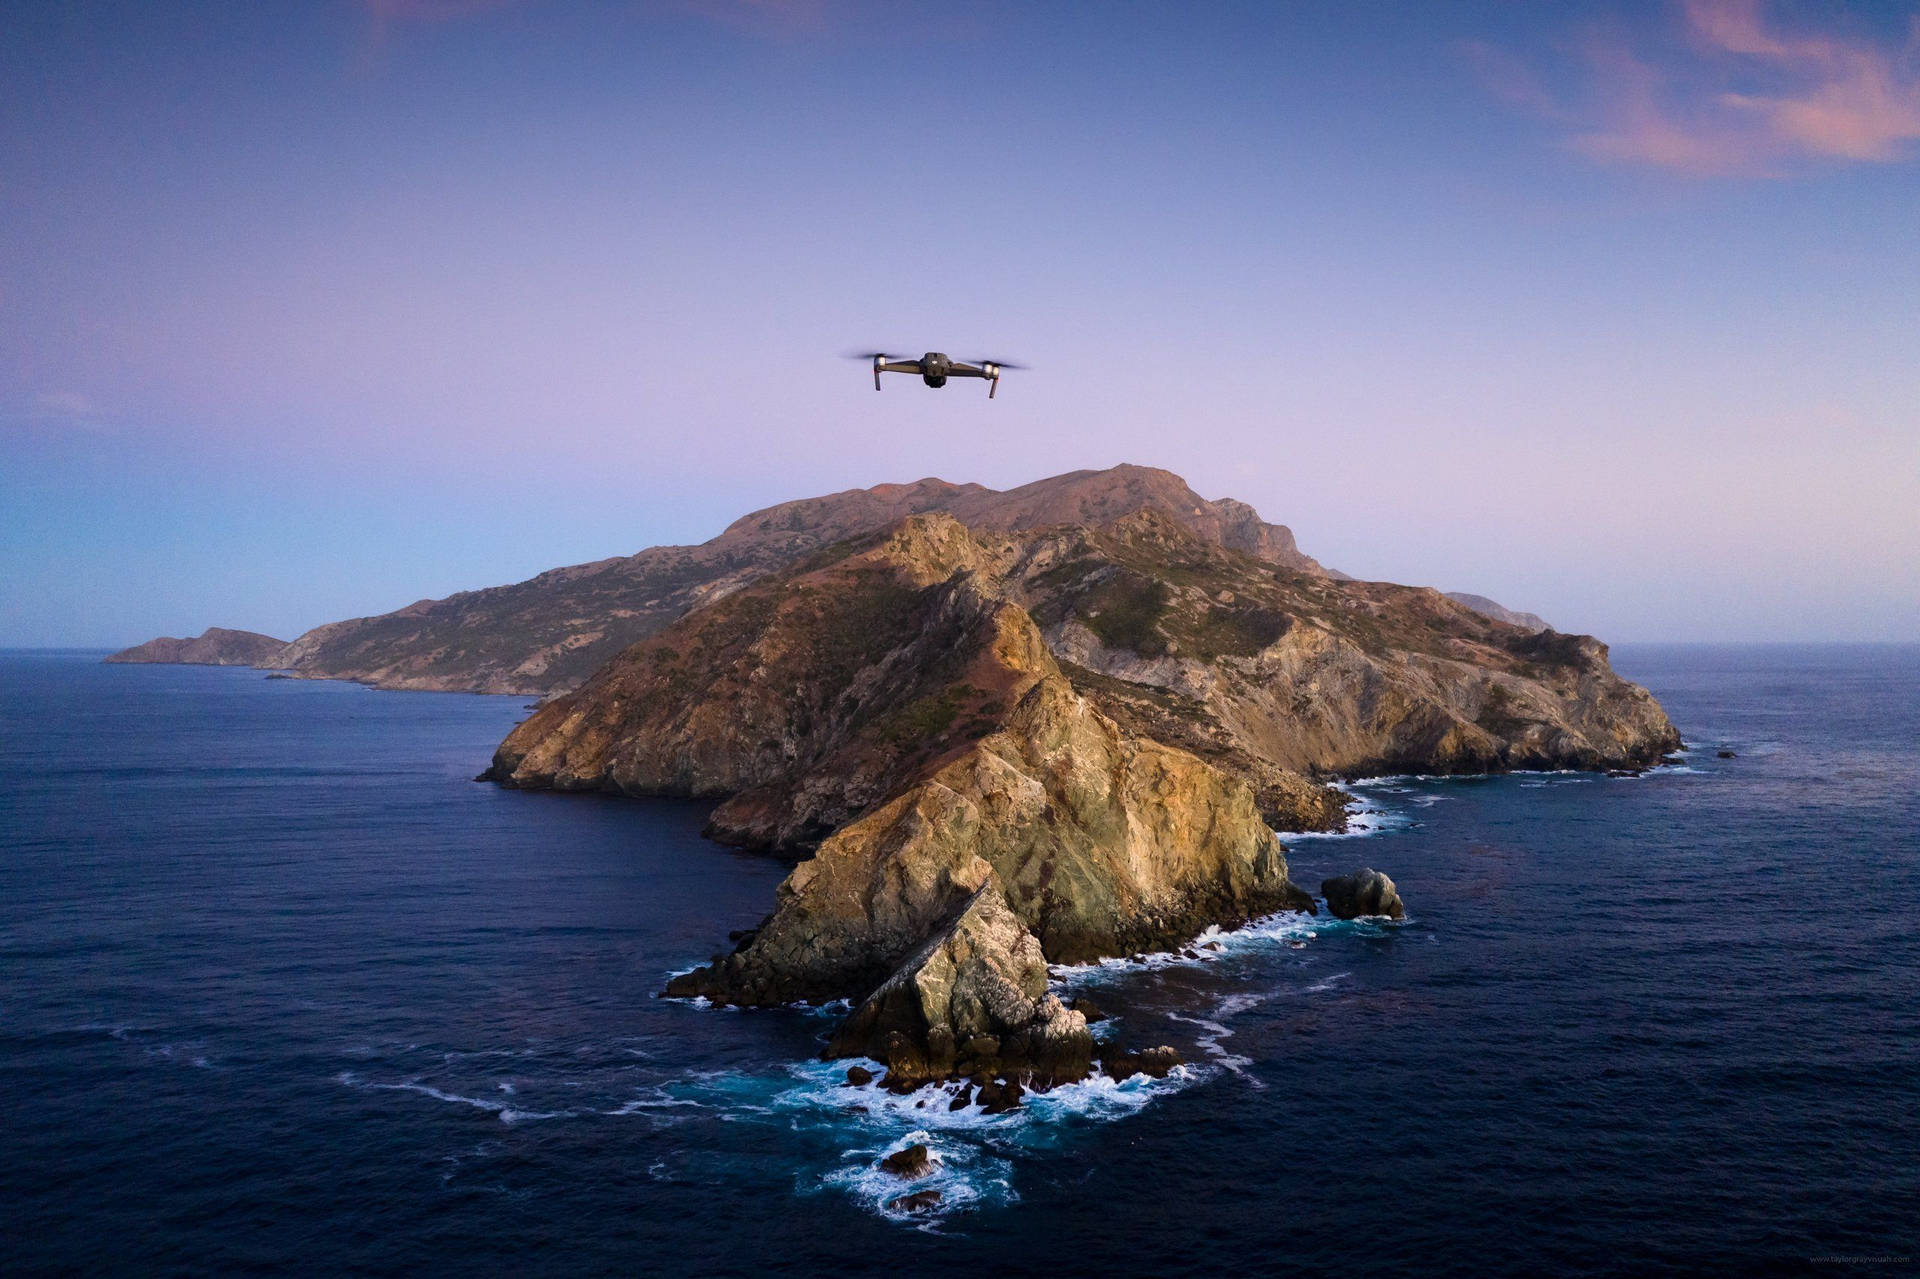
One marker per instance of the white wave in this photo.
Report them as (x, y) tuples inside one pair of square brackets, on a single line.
[(508, 1114), (1211, 946), (1368, 818), (965, 1175), (1216, 1030), (180, 1053), (971, 1149)]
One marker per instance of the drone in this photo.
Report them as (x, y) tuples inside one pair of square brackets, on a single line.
[(935, 367)]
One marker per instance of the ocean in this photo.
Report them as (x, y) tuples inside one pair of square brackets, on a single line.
[(282, 989)]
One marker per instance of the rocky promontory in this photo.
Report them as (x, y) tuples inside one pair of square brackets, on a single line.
[(1005, 748), (215, 647)]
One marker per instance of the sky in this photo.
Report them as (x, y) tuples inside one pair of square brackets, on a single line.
[(310, 310)]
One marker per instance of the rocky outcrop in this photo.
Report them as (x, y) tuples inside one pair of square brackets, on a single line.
[(1499, 612), (551, 632), (1117, 1064), (971, 1000), (918, 1201), (1102, 844), (1043, 745), (1364, 892), (909, 1162), (1274, 675), (214, 647)]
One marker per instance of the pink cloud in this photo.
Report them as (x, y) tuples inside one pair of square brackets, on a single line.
[(1744, 98)]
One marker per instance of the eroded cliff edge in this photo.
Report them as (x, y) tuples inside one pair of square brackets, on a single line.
[(1089, 729)]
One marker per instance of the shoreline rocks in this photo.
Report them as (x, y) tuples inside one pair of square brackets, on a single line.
[(909, 1164), (972, 1000), (1363, 892)]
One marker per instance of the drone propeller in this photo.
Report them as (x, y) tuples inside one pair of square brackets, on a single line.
[(869, 355), (998, 364)]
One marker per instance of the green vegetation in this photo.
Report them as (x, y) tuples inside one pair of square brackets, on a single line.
[(929, 717), (1125, 613)]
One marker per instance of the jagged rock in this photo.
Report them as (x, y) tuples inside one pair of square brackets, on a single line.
[(997, 1097), (980, 982), (1364, 892), (911, 1163), (962, 1099), (1101, 844), (918, 1201), (1117, 1064), (858, 1076)]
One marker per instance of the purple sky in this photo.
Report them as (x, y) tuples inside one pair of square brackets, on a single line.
[(310, 310)]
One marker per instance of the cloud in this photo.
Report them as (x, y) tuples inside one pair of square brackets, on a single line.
[(1738, 95)]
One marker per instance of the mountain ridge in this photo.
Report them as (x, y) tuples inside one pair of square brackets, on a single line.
[(550, 632)]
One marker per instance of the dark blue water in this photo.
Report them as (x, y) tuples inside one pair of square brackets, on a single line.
[(282, 990)]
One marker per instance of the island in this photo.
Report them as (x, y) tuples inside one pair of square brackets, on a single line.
[(1007, 734)]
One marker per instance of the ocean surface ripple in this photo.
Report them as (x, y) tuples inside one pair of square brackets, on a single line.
[(282, 989)]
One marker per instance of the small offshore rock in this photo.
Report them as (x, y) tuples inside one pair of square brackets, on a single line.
[(1365, 892), (909, 1163), (1120, 1065), (858, 1076), (1087, 1008), (918, 1201), (1727, 755), (962, 1099)]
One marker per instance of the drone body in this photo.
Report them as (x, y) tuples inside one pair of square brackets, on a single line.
[(935, 367)]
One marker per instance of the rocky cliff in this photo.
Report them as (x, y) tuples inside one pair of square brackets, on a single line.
[(549, 633), (216, 647), (1091, 725)]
